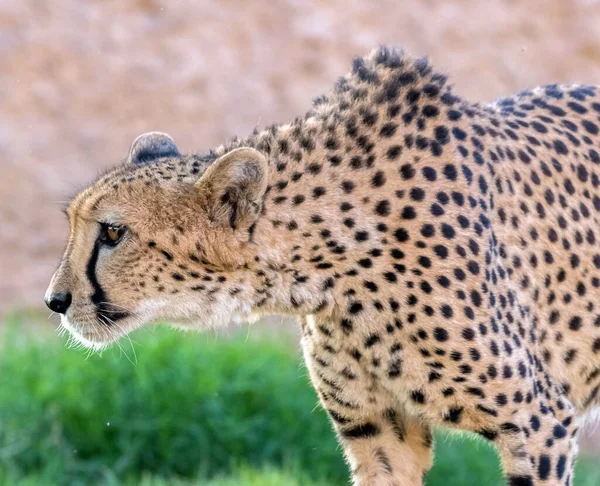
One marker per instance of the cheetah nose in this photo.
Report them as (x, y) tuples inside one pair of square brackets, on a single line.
[(59, 302)]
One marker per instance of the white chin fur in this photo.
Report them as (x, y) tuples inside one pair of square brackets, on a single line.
[(85, 342)]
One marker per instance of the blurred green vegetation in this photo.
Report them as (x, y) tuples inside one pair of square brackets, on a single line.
[(189, 407)]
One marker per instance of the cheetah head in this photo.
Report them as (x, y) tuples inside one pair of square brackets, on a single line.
[(162, 237)]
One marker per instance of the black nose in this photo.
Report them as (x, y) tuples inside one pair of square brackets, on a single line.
[(59, 302)]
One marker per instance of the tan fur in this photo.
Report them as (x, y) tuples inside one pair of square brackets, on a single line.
[(443, 258)]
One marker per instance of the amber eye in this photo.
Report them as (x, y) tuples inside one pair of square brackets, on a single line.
[(111, 234)]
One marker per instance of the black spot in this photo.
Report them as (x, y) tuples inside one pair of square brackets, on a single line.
[(501, 399), (559, 432), (520, 480), (437, 210), (417, 194), (575, 323), (535, 423), (441, 134), (430, 111), (544, 467), (407, 171), (446, 311), (361, 236), (488, 434), (314, 168), (441, 251), (331, 144), (319, 191), (454, 115), (428, 230), (348, 186), (340, 419), (487, 410), (448, 231), (577, 108), (450, 172), (418, 396), (382, 208), (590, 127), (393, 152), (365, 262), (429, 173), (560, 147), (409, 213), (561, 466), (298, 199), (524, 157), (378, 179), (401, 235), (453, 415), (372, 340), (371, 286), (362, 431), (355, 308), (388, 130), (440, 334), (459, 134)]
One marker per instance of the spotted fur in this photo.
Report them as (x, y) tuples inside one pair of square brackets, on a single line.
[(442, 256)]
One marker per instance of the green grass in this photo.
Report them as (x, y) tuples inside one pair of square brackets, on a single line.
[(190, 405), (237, 411)]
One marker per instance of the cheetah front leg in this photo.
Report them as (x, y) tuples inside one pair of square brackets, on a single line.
[(382, 445), (385, 449)]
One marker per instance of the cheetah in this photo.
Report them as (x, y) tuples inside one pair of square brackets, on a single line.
[(442, 257)]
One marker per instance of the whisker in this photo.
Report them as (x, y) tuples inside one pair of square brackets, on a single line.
[(113, 323), (130, 343)]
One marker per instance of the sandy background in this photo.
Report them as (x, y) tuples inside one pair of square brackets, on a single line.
[(79, 79)]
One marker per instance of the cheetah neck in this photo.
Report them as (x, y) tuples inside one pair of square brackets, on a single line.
[(324, 217)]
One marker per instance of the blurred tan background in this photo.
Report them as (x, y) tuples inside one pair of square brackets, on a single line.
[(79, 79)]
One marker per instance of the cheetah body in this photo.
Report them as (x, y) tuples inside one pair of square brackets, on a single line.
[(442, 257)]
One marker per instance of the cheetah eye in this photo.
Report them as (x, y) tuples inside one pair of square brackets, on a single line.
[(111, 234)]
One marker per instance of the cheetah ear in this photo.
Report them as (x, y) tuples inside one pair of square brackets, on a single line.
[(233, 187), (151, 146)]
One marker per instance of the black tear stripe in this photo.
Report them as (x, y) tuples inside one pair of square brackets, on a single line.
[(103, 308)]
